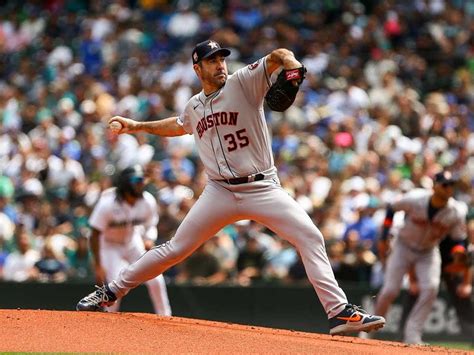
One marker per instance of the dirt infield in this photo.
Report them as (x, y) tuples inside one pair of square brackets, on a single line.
[(61, 331)]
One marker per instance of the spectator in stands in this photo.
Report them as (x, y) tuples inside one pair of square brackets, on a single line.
[(278, 265), (19, 265), (224, 249), (50, 267), (250, 262), (7, 217), (178, 167), (79, 260), (202, 267), (297, 273), (3, 254), (356, 265), (364, 227), (7, 191)]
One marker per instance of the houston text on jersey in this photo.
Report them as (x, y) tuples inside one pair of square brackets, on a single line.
[(216, 119)]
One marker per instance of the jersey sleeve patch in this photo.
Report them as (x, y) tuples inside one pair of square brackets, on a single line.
[(179, 120), (254, 65), (184, 122)]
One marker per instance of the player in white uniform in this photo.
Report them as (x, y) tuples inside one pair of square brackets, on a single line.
[(228, 123), (429, 217), (124, 224)]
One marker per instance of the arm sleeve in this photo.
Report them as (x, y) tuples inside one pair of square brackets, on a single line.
[(99, 218), (459, 229), (407, 201), (387, 223), (254, 80)]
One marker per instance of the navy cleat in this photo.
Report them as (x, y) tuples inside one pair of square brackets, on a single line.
[(97, 300), (354, 319)]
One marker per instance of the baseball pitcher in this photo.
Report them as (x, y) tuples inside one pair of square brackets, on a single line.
[(228, 123)]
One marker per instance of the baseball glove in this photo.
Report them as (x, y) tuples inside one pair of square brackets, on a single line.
[(283, 92)]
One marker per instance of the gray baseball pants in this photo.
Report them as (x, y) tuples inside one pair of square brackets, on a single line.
[(427, 268), (220, 204)]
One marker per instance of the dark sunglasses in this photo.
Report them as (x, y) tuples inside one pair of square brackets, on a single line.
[(136, 179), (447, 184)]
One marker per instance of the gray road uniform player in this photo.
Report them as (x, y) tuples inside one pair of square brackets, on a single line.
[(228, 123), (416, 246)]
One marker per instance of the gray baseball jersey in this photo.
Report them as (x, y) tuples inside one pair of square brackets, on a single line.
[(418, 232), (229, 125), (415, 246)]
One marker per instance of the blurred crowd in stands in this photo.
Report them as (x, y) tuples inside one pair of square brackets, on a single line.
[(388, 102)]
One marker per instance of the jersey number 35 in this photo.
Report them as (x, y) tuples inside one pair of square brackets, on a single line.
[(236, 140)]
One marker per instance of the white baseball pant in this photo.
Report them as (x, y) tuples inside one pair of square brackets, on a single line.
[(115, 257)]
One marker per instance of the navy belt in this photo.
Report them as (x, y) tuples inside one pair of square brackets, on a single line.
[(244, 179)]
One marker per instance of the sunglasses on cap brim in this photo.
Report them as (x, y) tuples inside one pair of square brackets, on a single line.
[(448, 184), (136, 179)]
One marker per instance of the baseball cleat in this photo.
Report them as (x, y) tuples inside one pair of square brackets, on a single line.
[(97, 300), (354, 319)]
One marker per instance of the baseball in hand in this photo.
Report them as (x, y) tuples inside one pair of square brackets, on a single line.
[(115, 126)]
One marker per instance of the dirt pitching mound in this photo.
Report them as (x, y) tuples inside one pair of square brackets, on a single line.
[(61, 331)]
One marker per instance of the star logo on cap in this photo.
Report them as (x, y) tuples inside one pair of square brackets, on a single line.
[(213, 44)]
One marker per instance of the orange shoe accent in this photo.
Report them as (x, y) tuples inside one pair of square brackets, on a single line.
[(353, 318)]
